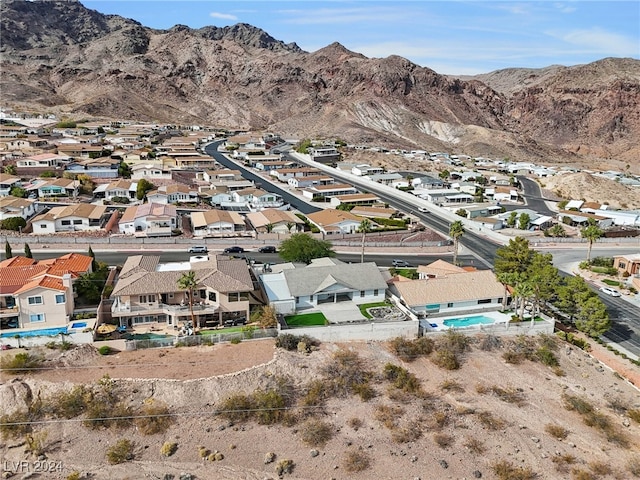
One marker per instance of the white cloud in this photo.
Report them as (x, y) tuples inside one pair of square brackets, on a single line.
[(564, 8), (601, 41), (333, 16), (223, 16)]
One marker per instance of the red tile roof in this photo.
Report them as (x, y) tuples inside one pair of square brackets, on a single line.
[(46, 281)]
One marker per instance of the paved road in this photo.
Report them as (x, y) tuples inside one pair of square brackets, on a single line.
[(293, 200), (533, 196)]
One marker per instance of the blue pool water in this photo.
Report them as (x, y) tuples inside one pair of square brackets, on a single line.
[(467, 321), (79, 325), (43, 332)]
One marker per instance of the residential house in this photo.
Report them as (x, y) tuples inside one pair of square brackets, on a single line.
[(70, 218), (581, 219), (7, 182), (323, 281), (355, 199), (284, 174), (79, 150), (43, 160), (502, 194), (11, 206), (147, 291), (477, 211), (450, 294), (373, 212), (426, 181), (273, 220), (323, 192), (222, 175), (215, 222), (102, 167), (331, 221), (445, 196), (150, 219), (627, 264), (174, 193), (256, 198), (324, 154), (60, 187), (310, 181), (438, 268), (268, 165), (150, 171), (395, 179), (365, 169), (39, 294), (119, 188)]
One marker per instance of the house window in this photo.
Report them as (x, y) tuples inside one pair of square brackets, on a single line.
[(60, 298), (65, 222), (147, 298), (484, 300), (77, 222), (622, 265), (213, 297), (449, 305), (203, 293), (43, 225), (361, 293), (375, 292), (238, 296), (36, 317), (37, 300)]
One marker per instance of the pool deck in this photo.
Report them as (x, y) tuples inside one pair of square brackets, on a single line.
[(502, 324)]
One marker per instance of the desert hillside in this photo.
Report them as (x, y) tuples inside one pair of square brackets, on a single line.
[(513, 409), (590, 188)]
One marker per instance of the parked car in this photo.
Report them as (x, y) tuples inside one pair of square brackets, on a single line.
[(267, 249), (233, 250), (198, 249), (423, 209), (610, 291), (400, 263)]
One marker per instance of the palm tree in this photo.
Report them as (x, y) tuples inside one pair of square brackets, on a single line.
[(364, 228), (290, 225), (591, 233), (189, 282), (269, 227), (456, 230)]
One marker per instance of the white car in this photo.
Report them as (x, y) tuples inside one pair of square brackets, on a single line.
[(423, 209), (610, 291)]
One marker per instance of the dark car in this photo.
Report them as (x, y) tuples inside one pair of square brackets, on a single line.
[(400, 263), (267, 249), (233, 250)]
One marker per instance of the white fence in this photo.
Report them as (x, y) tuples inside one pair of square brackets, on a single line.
[(358, 331), (41, 340)]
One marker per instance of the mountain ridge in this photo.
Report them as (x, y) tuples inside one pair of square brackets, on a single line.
[(240, 77)]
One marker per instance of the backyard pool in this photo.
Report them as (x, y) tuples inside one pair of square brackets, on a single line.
[(79, 325), (468, 321), (43, 332)]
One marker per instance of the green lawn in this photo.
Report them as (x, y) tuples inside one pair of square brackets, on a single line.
[(363, 308), (306, 320), (611, 283), (407, 272), (221, 330)]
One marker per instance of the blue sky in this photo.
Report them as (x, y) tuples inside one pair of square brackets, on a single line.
[(450, 37)]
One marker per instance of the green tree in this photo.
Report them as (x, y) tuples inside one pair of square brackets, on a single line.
[(511, 220), (94, 264), (444, 175), (303, 145), (572, 292), (269, 227), (13, 223), (189, 283), (143, 187), (266, 316), (544, 279), (27, 251), (7, 250), (456, 230), (522, 291), (302, 247), (364, 228), (592, 317), (591, 233), (512, 262), (290, 226), (10, 169), (124, 170), (461, 212), (18, 192), (523, 221), (47, 174), (557, 231)]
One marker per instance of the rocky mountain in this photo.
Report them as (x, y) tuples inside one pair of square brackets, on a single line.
[(65, 58)]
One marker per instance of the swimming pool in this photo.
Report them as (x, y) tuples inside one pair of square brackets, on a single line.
[(468, 321), (43, 332), (79, 325)]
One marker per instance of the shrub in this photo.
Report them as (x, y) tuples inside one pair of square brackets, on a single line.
[(388, 415), (634, 414), (475, 446), (401, 378), (561, 462), (451, 386), (122, 451), (102, 413), (168, 449), (290, 342), (489, 342), (72, 403), (409, 350), (316, 433), (154, 418), (75, 475), (509, 395), (504, 470), (16, 424), (355, 423), (104, 350), (407, 433), (447, 359), (35, 443), (346, 373), (285, 466), (235, 340), (443, 440), (556, 431), (270, 405), (21, 363), (514, 358), (356, 461), (490, 421), (572, 402), (600, 468)]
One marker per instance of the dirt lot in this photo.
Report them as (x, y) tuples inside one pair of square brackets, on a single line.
[(442, 432)]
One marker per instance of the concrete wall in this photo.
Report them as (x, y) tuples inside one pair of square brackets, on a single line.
[(77, 338), (358, 331), (501, 329)]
